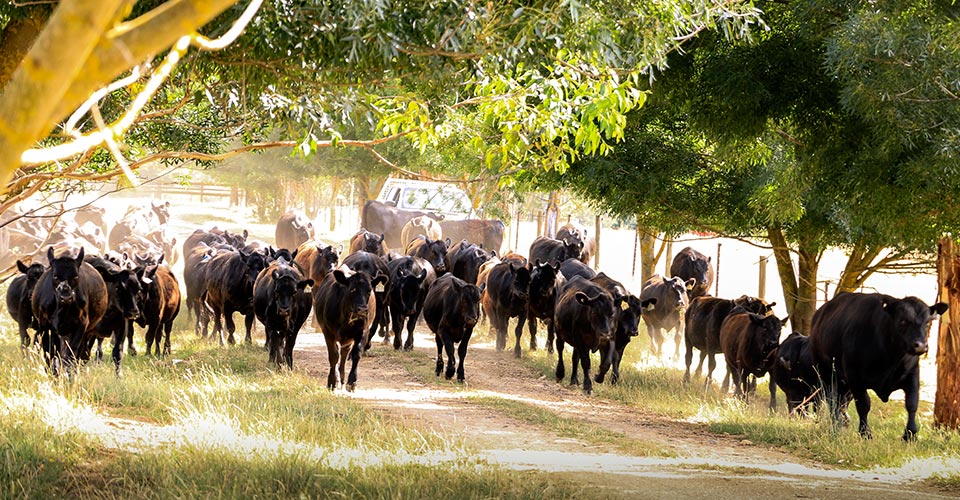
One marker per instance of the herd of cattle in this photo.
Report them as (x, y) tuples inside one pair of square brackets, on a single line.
[(451, 273)]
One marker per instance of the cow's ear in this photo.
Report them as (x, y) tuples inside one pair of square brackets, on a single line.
[(339, 248), (167, 204), (340, 276), (275, 274), (770, 306), (305, 285), (447, 242), (649, 304), (692, 282), (622, 303), (483, 287), (80, 255), (422, 276), (378, 282), (493, 253), (583, 298), (382, 237), (243, 255), (22, 267), (556, 266), (245, 234), (938, 308), (783, 322)]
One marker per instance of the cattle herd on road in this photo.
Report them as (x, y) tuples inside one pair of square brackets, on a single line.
[(404, 264)]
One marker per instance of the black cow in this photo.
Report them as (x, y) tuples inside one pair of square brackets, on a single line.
[(627, 322), (293, 229), (506, 296), (282, 303), (432, 251), (585, 317), (161, 305), (19, 294), (124, 296), (547, 249), (69, 300), (451, 310), (749, 342), (702, 322), (794, 373), (588, 243), (574, 267), (367, 241), (345, 308), (378, 218), (229, 289), (690, 264), (872, 341), (374, 266), (668, 313), (410, 279), (545, 282), (466, 259), (195, 284), (488, 233)]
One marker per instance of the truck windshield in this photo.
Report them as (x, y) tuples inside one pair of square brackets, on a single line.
[(435, 200)]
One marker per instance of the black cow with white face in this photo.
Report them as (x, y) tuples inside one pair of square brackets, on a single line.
[(585, 319), (410, 280), (345, 308), (451, 310), (668, 313), (282, 301), (19, 294), (69, 300), (872, 341)]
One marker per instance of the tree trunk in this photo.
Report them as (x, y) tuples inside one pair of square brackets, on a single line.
[(17, 37), (799, 292), (946, 406), (648, 254), (334, 192), (858, 267)]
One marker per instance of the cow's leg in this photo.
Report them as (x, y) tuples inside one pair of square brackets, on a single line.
[(354, 361), (617, 356), (703, 356), (551, 334), (711, 366), (451, 356), (734, 373), (519, 332), (248, 323), (911, 402), (216, 313), (99, 350), (24, 337), (289, 340), (500, 330), (273, 346), (167, 327), (688, 359), (396, 325), (532, 327), (130, 349), (656, 339), (585, 364), (773, 394), (333, 357), (678, 335), (439, 354), (575, 366), (231, 326), (606, 360), (560, 370), (862, 400), (153, 336), (462, 354), (411, 325), (118, 342)]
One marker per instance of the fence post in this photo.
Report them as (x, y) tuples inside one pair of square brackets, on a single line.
[(716, 278), (596, 240), (516, 232), (762, 289)]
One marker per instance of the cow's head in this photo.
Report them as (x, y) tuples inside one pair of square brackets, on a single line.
[(630, 309), (65, 273), (406, 287), (543, 281), (766, 332), (33, 272), (357, 287), (162, 211), (520, 282), (910, 319), (434, 252), (287, 286), (125, 292), (699, 269), (469, 301), (369, 242), (675, 293), (327, 259), (572, 247), (601, 312)]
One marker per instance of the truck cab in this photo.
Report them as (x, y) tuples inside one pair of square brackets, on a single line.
[(439, 197)]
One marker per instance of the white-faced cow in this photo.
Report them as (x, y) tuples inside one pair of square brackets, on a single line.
[(585, 318), (872, 341), (668, 313), (451, 310), (281, 301), (345, 308)]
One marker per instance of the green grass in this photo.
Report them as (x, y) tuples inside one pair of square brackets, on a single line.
[(661, 390)]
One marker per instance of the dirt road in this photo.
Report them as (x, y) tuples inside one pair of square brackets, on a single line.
[(701, 464)]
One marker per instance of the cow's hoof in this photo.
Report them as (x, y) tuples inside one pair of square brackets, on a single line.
[(351, 387), (516, 353), (909, 436), (131, 351), (449, 374), (588, 392), (598, 378), (461, 381), (408, 347)]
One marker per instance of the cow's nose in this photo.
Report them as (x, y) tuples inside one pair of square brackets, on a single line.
[(919, 347)]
